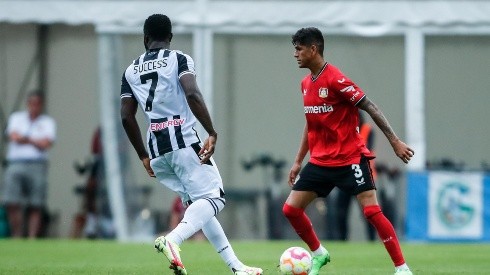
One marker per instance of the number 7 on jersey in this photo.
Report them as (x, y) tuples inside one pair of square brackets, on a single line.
[(151, 94)]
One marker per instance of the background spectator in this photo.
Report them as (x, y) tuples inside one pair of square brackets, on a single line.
[(95, 219), (31, 133)]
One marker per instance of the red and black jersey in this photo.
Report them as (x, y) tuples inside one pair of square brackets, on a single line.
[(332, 118)]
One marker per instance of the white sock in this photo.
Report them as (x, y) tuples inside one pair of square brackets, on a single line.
[(195, 217), (320, 251), (216, 236), (402, 267)]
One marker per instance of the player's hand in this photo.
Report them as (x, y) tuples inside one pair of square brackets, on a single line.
[(402, 151), (146, 164), (207, 149), (293, 173)]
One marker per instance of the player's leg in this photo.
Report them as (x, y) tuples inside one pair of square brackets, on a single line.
[(213, 187), (217, 237), (364, 187), (165, 175), (294, 210), (310, 185), (195, 217), (201, 185), (386, 232)]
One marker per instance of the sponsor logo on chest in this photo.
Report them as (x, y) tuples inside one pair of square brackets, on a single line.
[(158, 126), (319, 109)]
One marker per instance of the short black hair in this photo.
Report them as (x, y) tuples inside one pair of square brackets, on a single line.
[(158, 27), (309, 36), (36, 93)]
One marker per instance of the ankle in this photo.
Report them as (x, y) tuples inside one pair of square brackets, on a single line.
[(319, 251), (402, 267)]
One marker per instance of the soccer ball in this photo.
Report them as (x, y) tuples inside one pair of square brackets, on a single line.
[(295, 261)]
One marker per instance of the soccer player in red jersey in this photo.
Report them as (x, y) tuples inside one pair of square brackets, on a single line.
[(338, 155)]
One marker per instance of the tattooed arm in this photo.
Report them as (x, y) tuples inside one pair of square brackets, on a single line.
[(404, 152)]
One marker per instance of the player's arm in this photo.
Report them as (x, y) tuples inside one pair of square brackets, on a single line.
[(300, 156), (404, 152), (199, 109), (129, 107)]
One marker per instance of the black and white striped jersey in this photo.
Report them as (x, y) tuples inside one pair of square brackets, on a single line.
[(153, 80)]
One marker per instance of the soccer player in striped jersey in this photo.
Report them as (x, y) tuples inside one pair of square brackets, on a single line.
[(338, 155), (163, 83)]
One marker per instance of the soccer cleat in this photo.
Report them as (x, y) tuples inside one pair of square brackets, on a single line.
[(317, 262), (171, 251), (248, 270), (403, 271)]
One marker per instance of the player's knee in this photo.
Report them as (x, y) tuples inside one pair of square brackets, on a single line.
[(220, 203), (216, 203), (291, 212), (371, 210)]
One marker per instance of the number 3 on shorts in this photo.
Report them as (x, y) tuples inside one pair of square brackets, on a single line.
[(358, 174)]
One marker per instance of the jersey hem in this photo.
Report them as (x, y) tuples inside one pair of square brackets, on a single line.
[(353, 160)]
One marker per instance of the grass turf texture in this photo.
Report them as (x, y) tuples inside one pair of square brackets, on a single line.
[(108, 257)]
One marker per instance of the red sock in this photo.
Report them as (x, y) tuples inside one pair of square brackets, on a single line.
[(302, 225), (386, 232)]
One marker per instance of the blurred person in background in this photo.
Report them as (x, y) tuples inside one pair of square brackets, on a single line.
[(31, 134), (163, 83), (94, 181), (95, 218), (338, 155)]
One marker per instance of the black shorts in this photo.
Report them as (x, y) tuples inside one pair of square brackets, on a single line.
[(353, 179)]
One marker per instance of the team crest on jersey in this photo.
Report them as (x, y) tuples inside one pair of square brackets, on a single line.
[(323, 92)]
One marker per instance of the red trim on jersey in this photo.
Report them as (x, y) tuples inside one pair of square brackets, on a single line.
[(332, 118)]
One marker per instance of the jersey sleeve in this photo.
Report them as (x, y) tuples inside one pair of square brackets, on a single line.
[(126, 90), (347, 89), (185, 64)]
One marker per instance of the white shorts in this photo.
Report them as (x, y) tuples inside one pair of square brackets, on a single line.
[(182, 172)]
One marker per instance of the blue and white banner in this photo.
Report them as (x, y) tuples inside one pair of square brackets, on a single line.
[(455, 205), (448, 206)]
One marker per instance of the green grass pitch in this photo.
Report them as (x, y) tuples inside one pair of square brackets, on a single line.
[(110, 257)]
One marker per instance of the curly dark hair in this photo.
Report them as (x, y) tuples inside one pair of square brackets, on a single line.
[(158, 27), (309, 36)]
